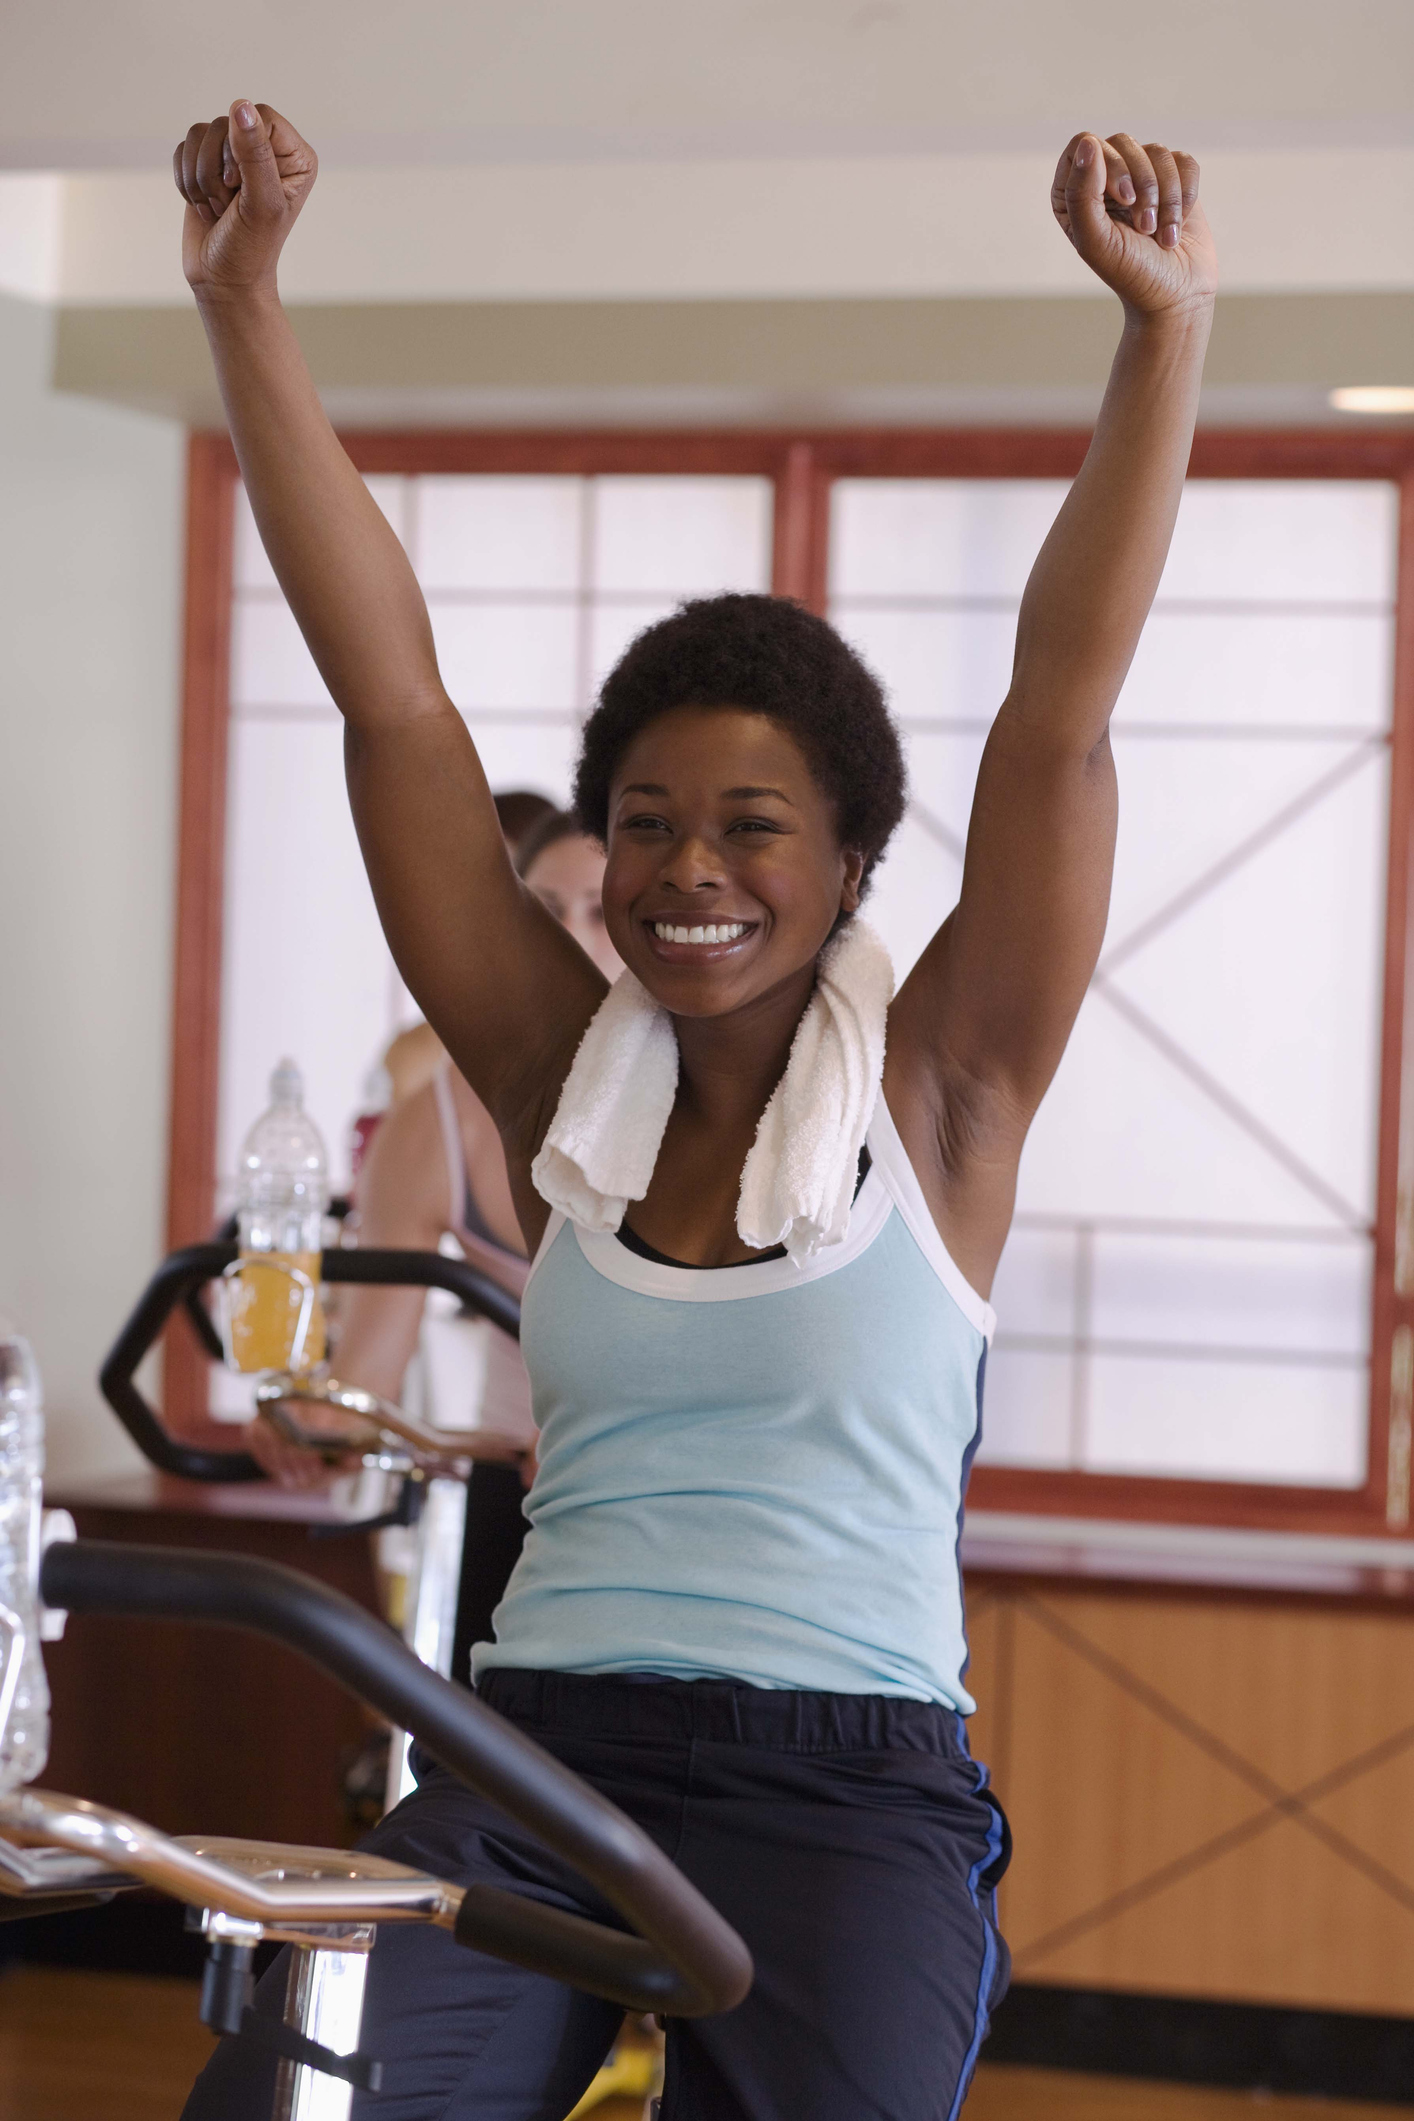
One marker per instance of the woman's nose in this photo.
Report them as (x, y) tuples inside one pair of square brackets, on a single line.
[(693, 865)]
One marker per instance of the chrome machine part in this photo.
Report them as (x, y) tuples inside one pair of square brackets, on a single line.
[(431, 1622), (375, 1424), (324, 2003), (282, 1890)]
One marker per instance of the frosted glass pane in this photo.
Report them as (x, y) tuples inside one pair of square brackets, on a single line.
[(685, 537), (270, 665), (305, 968), (483, 533), (612, 627), (1123, 1132), (913, 890), (938, 537), (1297, 667), (1217, 1292), (535, 755), (942, 774), (1227, 1421), (1188, 809), (1290, 540), (508, 655), (954, 663), (1035, 1287), (1272, 983), (1025, 1409)]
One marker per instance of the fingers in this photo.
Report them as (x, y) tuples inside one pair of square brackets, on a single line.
[(1119, 185), (184, 169), (1165, 187), (1144, 216), (249, 137), (1188, 179), (204, 172), (215, 171), (1078, 193)]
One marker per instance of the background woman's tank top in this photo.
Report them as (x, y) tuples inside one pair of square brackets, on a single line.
[(505, 1395), (754, 1472)]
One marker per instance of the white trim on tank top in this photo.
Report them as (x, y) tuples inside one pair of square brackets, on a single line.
[(891, 1184)]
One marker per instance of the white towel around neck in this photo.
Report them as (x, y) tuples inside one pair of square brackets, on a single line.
[(799, 1180)]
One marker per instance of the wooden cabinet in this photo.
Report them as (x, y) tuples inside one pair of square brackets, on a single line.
[(1212, 1792)]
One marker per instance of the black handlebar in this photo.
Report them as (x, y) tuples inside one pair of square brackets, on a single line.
[(685, 1962), (182, 1273)]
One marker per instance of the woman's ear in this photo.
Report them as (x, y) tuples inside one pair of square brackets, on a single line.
[(853, 877)]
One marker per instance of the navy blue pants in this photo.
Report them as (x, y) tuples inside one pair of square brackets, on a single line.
[(849, 1838)]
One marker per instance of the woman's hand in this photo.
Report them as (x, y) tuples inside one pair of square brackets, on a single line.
[(1132, 213), (291, 1465), (244, 178)]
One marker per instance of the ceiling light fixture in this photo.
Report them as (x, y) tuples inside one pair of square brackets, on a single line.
[(1374, 398)]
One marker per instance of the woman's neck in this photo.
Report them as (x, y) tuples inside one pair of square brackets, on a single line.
[(728, 1066)]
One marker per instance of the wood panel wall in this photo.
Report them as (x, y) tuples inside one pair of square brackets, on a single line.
[(1211, 1796), (204, 1729)]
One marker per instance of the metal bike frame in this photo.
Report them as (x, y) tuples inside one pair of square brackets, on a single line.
[(432, 1604), (324, 2001)]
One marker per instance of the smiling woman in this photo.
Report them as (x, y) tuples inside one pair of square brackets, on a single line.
[(740, 1585)]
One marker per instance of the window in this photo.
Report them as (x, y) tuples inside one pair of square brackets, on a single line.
[(1199, 1310), (1187, 1286)]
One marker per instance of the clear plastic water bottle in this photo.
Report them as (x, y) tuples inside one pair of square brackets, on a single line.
[(284, 1191), (24, 1737)]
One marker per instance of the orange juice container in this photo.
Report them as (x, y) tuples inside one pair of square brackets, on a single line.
[(274, 1315)]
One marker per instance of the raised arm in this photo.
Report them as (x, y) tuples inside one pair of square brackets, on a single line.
[(508, 990), (980, 1024)]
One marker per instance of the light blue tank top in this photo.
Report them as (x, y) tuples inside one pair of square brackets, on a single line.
[(755, 1472)]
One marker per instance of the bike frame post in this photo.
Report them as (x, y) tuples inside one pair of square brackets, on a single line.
[(324, 2001), (431, 1603)]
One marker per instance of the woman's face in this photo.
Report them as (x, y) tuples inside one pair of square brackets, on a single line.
[(568, 879), (716, 823)]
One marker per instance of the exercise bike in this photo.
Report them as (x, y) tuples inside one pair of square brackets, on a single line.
[(465, 1512), (678, 1957)]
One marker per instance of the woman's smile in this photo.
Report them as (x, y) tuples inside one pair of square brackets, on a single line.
[(698, 942)]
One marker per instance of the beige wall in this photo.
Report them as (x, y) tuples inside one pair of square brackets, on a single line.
[(90, 586)]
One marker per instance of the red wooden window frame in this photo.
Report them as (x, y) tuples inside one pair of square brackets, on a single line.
[(802, 467)]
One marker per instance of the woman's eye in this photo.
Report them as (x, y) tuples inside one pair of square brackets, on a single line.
[(753, 825), (645, 823)]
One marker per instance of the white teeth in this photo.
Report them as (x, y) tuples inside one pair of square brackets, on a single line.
[(725, 932)]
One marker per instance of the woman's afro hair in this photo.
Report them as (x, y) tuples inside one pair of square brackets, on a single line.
[(772, 657)]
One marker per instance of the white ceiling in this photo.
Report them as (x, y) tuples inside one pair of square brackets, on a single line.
[(94, 84)]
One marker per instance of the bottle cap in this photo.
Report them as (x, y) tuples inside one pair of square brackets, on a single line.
[(287, 1084)]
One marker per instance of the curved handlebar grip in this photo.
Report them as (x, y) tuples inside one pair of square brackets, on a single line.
[(182, 1273), (685, 1960)]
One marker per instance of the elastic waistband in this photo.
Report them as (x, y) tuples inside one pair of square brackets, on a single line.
[(720, 1711)]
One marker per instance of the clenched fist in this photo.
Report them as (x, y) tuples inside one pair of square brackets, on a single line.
[(1132, 212), (244, 178)]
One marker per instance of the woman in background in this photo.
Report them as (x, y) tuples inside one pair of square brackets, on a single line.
[(415, 1055), (436, 1167)]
